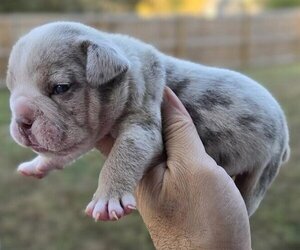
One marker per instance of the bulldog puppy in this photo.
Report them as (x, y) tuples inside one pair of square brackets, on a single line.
[(72, 85)]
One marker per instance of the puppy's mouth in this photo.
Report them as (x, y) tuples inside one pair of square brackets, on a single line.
[(59, 146), (30, 141), (39, 149), (42, 150)]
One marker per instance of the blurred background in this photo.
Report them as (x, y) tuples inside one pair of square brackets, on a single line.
[(259, 38)]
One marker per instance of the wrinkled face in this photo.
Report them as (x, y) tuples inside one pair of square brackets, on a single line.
[(54, 107)]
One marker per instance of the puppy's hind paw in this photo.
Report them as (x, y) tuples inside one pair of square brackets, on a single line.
[(110, 209)]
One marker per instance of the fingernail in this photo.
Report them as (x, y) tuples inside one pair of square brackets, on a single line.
[(172, 100)]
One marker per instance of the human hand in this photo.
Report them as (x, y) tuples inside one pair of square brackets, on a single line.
[(189, 202)]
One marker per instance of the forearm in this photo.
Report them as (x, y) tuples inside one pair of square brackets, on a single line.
[(168, 238)]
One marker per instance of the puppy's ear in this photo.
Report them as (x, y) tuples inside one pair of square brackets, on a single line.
[(104, 62)]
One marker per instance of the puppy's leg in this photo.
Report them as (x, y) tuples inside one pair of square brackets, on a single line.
[(134, 150), (254, 185)]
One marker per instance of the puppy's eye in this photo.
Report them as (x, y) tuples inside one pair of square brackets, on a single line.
[(60, 88)]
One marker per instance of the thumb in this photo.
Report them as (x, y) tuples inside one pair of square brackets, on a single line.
[(182, 141)]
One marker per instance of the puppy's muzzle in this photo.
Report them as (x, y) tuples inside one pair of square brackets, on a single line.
[(24, 114)]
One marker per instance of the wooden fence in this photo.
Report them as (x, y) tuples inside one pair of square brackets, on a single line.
[(234, 42)]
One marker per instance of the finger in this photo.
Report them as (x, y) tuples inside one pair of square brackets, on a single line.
[(173, 101), (105, 145), (181, 137)]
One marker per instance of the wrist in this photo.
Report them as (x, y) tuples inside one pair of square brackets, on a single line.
[(176, 241), (169, 236)]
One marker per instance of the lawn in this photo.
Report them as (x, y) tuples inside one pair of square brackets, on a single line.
[(48, 214)]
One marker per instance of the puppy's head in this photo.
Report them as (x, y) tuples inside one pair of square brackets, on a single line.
[(55, 74)]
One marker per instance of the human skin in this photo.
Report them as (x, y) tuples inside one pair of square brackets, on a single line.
[(188, 201)]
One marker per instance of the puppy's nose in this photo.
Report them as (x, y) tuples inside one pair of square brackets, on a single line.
[(24, 123), (24, 113)]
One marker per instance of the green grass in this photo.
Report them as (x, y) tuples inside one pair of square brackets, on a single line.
[(48, 214)]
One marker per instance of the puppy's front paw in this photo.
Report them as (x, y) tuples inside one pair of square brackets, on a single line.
[(39, 167), (30, 168), (112, 208)]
